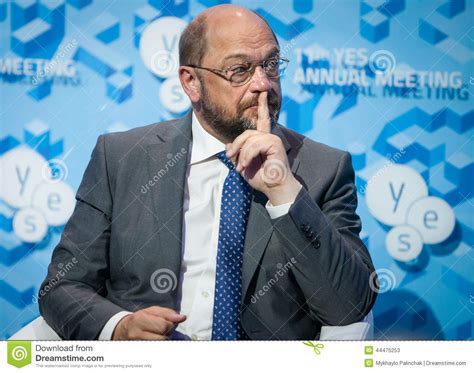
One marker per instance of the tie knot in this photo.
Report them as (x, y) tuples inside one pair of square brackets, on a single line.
[(221, 155)]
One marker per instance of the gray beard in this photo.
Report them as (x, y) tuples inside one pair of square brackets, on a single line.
[(226, 126)]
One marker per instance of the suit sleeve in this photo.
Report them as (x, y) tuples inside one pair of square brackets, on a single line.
[(72, 297), (333, 267)]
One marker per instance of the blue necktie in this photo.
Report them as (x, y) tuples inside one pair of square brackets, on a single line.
[(235, 207)]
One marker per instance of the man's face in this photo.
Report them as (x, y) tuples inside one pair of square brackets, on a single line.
[(230, 110)]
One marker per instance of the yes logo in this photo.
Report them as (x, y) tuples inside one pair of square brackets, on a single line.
[(37, 191), (19, 353), (397, 196)]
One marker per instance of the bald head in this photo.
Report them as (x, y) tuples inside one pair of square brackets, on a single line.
[(215, 27)]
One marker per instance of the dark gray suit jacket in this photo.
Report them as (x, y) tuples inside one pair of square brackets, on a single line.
[(305, 269)]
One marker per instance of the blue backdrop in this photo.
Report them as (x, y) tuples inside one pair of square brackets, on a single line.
[(390, 81)]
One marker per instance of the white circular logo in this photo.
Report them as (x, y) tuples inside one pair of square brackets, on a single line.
[(159, 46), (22, 167), (391, 190), (55, 201), (404, 243), (173, 97), (30, 225), (433, 218)]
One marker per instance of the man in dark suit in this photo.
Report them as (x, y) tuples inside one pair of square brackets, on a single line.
[(221, 225)]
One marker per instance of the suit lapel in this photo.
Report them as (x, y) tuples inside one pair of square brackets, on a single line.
[(167, 161), (259, 226), (168, 158)]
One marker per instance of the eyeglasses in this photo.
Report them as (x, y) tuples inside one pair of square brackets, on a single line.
[(240, 74)]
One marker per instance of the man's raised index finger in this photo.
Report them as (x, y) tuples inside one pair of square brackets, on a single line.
[(263, 121)]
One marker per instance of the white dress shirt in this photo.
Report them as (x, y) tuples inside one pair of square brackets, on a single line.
[(205, 176)]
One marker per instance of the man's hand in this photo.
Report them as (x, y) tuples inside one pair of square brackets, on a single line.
[(261, 159), (152, 323)]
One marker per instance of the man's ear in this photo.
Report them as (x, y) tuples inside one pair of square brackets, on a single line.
[(190, 83)]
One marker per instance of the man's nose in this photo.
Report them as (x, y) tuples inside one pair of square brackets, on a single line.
[(259, 81)]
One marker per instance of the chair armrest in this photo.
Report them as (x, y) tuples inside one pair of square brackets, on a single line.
[(36, 330), (359, 331)]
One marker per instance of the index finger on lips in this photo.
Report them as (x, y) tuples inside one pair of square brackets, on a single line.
[(263, 121)]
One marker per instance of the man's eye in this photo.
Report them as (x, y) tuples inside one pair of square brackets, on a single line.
[(272, 64), (239, 69)]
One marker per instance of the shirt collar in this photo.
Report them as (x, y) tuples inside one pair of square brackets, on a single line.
[(204, 144)]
